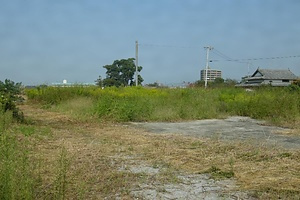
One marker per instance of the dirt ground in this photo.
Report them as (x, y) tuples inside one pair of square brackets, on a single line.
[(112, 161), (233, 128)]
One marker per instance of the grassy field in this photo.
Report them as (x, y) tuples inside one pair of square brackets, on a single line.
[(277, 105), (72, 144)]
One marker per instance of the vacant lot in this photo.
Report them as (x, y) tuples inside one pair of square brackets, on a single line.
[(134, 142), (118, 161)]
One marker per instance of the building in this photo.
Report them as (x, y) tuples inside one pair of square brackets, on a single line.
[(212, 74), (273, 77), (65, 83)]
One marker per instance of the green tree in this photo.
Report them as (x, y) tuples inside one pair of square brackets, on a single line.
[(121, 73), (230, 82), (99, 82), (140, 79), (198, 83), (219, 81), (155, 84)]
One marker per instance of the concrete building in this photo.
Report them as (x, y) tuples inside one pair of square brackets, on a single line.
[(212, 74)]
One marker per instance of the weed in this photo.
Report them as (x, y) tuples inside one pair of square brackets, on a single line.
[(278, 105), (196, 145), (6, 119), (60, 183), (16, 178), (217, 173), (27, 130), (285, 155), (271, 193)]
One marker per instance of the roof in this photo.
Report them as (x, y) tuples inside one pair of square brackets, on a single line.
[(274, 74)]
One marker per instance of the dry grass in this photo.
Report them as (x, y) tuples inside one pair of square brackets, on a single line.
[(290, 132), (96, 151)]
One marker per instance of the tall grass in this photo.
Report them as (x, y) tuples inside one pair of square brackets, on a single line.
[(60, 183), (16, 180), (18, 177), (279, 105)]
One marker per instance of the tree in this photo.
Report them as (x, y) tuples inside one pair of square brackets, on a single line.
[(99, 81), (231, 82), (219, 81), (121, 73), (140, 79), (155, 84)]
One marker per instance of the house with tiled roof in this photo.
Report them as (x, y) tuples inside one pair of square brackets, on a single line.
[(273, 77)]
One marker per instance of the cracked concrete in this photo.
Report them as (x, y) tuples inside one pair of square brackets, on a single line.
[(188, 186), (233, 128)]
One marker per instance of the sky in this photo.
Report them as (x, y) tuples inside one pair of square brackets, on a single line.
[(48, 41)]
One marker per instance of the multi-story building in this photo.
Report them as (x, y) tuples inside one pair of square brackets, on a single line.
[(212, 74)]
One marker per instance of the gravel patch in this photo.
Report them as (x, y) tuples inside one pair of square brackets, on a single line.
[(190, 187), (187, 186)]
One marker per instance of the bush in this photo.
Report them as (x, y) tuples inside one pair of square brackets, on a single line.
[(10, 94)]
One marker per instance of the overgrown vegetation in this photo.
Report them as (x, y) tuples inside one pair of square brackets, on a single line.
[(15, 168), (19, 169), (277, 105), (99, 151)]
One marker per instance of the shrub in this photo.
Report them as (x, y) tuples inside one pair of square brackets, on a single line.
[(9, 95)]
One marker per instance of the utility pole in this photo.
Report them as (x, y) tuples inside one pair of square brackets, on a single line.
[(208, 48), (136, 62)]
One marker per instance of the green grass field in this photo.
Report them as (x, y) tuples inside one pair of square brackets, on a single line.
[(280, 106)]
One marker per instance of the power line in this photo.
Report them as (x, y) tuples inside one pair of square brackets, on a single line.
[(228, 58), (215, 51), (168, 46), (251, 59), (218, 53)]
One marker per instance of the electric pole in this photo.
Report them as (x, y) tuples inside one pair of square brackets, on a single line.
[(208, 48), (136, 62)]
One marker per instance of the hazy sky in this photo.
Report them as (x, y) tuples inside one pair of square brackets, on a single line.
[(46, 41)]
